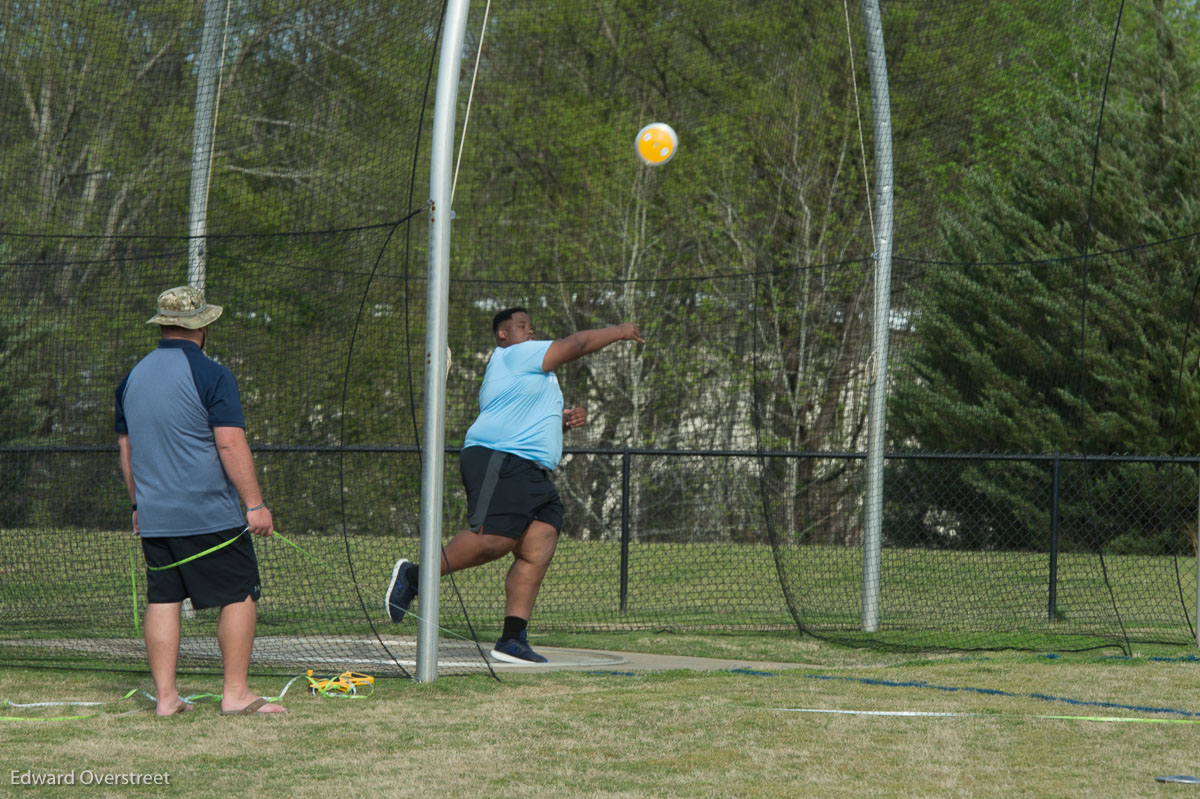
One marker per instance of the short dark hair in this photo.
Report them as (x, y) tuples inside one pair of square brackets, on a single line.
[(504, 316)]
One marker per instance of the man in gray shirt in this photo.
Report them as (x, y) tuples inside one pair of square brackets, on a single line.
[(186, 463)]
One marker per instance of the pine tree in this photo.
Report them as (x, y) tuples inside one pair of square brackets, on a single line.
[(1055, 318)]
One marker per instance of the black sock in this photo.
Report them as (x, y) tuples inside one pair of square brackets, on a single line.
[(513, 627), (412, 572)]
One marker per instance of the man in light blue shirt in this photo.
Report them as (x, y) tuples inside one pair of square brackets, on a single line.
[(508, 455), (520, 405)]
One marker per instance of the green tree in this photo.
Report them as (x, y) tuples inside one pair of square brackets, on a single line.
[(92, 142), (1001, 345)]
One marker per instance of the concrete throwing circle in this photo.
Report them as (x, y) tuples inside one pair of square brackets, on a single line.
[(561, 659)]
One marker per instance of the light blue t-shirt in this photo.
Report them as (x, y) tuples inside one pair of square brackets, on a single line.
[(168, 405), (520, 406)]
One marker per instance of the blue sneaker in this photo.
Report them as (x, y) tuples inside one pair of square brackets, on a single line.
[(516, 650), (401, 592)]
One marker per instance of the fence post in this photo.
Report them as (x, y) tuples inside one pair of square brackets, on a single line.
[(1055, 482), (626, 471)]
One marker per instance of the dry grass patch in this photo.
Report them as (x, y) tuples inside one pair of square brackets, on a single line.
[(672, 734)]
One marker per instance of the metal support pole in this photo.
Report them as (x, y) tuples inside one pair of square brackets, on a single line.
[(1196, 615), (436, 316), (877, 401), (1055, 488), (626, 480), (207, 69)]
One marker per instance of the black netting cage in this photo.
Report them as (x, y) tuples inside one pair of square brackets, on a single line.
[(1041, 444)]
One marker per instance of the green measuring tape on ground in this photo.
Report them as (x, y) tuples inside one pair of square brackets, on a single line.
[(137, 624)]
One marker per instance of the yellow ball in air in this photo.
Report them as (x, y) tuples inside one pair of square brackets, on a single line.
[(656, 143)]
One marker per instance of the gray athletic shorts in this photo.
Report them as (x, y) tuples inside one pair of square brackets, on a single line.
[(505, 493)]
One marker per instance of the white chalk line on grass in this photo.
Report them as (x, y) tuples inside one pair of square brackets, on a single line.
[(934, 714)]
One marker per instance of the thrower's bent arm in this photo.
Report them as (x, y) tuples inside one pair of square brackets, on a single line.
[(585, 342)]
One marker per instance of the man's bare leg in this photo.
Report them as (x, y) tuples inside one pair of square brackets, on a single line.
[(235, 635), (531, 559), (469, 549), (162, 650)]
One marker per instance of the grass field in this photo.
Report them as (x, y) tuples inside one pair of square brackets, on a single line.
[(655, 734)]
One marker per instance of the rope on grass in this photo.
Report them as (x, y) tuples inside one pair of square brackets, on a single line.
[(347, 685), (344, 686), (6, 703)]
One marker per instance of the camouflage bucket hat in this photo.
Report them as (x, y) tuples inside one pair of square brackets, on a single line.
[(184, 306)]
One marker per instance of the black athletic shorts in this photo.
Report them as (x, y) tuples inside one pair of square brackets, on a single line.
[(224, 577), (505, 493)]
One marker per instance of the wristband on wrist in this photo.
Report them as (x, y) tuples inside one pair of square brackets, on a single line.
[(257, 507), (135, 506)]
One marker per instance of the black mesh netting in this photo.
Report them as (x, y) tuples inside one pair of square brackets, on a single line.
[(1040, 482)]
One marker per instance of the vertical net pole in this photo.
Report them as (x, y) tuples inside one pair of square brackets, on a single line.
[(202, 144), (433, 437), (877, 402)]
